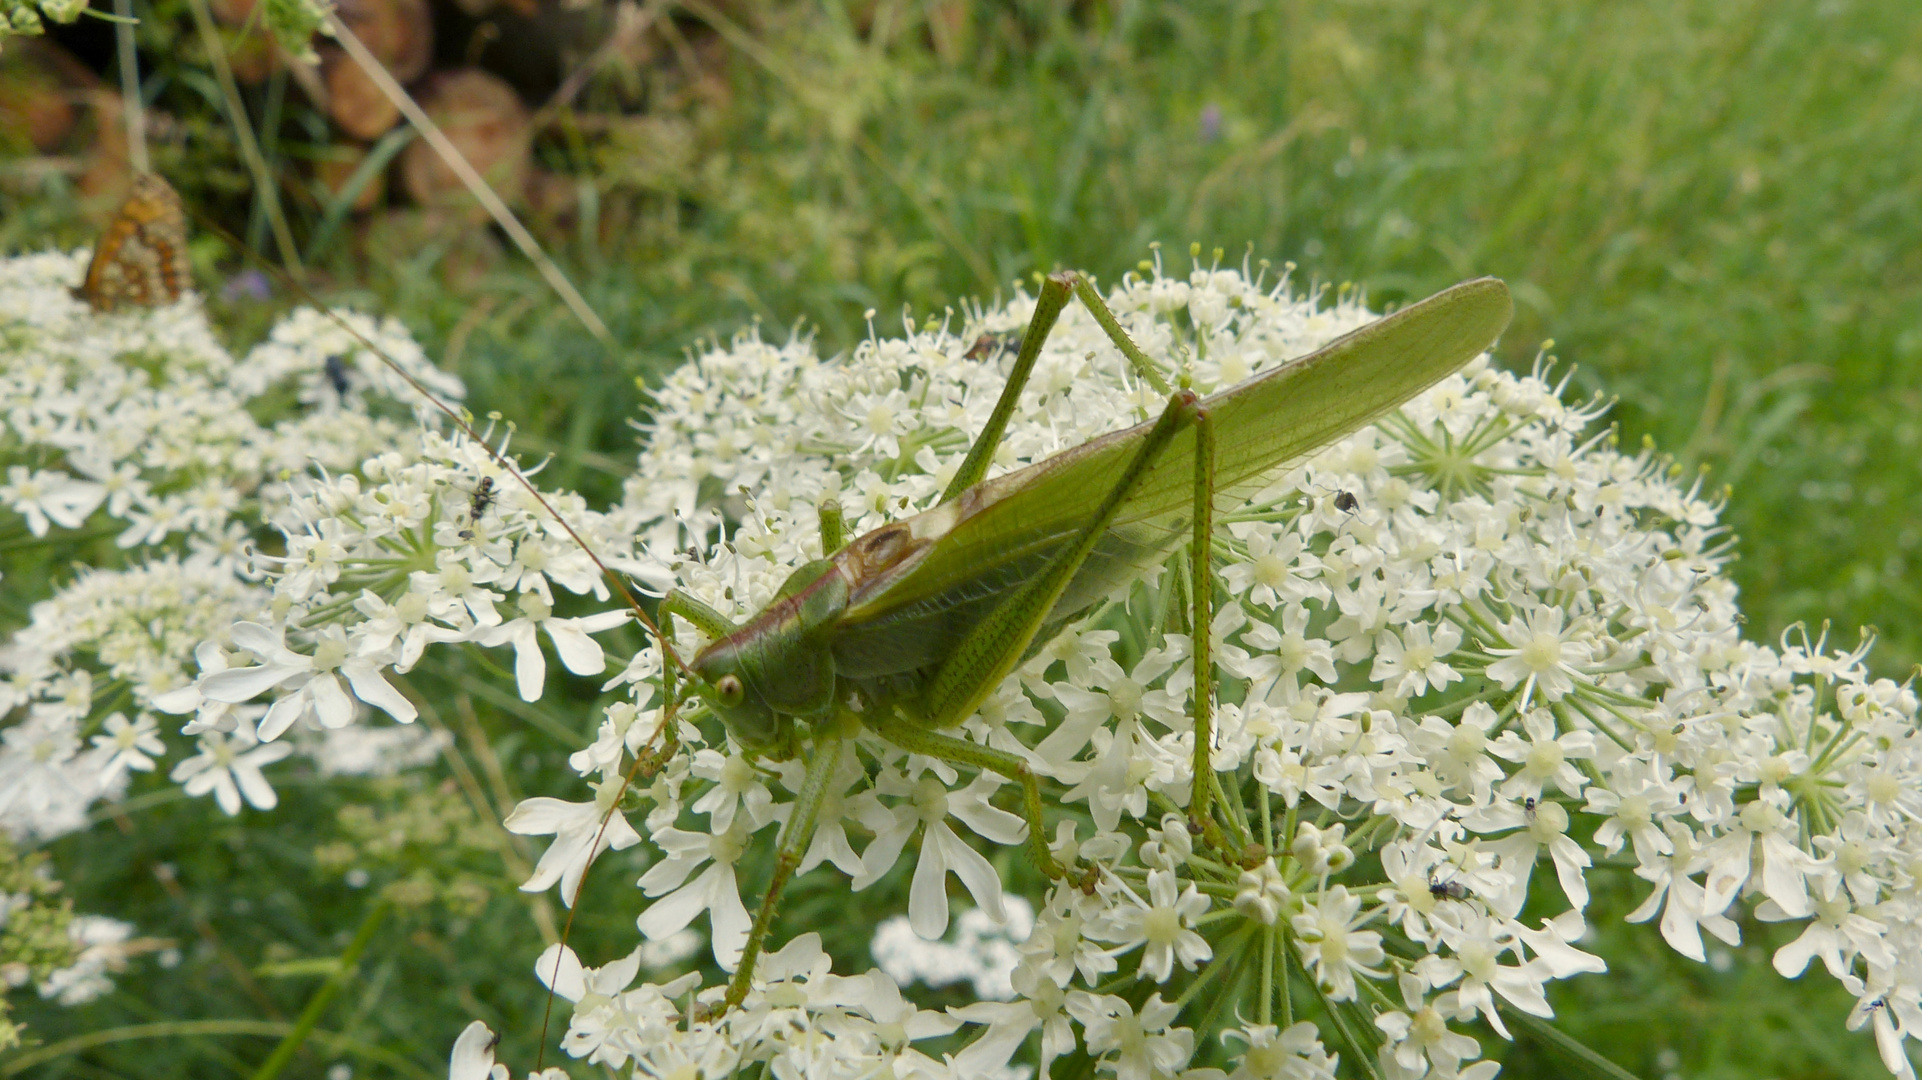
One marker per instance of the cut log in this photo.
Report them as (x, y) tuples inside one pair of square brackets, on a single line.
[(231, 12), (37, 99), (354, 100), (400, 33), (485, 120)]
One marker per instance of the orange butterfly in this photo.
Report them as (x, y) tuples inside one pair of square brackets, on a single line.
[(142, 256)]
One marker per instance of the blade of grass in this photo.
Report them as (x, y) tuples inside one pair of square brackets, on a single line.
[(317, 1005), (264, 187), (341, 204), (176, 1029), (1587, 1060), (476, 186), (131, 106), (270, 114)]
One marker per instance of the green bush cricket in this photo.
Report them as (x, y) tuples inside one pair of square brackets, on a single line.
[(908, 628)]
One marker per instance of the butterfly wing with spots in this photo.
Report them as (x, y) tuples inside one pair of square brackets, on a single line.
[(142, 256)]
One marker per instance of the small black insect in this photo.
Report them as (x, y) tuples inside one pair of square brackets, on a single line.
[(483, 498), (337, 375), (1447, 890), (1528, 808), (1344, 501), (988, 345)]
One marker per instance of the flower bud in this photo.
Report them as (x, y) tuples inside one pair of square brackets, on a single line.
[(1307, 846), (1261, 893), (1250, 902)]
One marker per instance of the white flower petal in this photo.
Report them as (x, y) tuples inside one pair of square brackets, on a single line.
[(928, 895), (331, 703), (581, 654), (371, 687), (560, 971), (236, 685)]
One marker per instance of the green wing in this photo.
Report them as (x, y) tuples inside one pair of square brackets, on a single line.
[(1011, 522)]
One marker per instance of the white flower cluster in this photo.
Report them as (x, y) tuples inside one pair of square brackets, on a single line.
[(105, 947), (417, 549), (865, 1017), (146, 415), (808, 1022), (101, 648), (1461, 643), (141, 427), (1458, 645), (978, 950)]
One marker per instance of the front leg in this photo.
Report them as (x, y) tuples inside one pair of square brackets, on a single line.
[(1055, 291), (824, 762), (1201, 820)]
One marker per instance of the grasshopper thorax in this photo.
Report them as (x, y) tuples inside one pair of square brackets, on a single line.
[(778, 666)]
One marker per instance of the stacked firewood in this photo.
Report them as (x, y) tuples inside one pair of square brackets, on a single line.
[(489, 73)]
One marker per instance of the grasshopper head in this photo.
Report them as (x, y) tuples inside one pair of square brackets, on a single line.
[(779, 666), (762, 677), (725, 683)]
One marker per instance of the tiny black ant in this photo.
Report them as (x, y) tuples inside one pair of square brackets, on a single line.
[(337, 375), (483, 498)]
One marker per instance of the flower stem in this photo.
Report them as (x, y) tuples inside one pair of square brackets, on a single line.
[(317, 1005)]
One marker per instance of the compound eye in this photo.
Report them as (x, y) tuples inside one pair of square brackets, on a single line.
[(729, 689)]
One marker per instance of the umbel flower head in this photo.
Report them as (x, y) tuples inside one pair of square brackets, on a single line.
[(1475, 641), (134, 444), (140, 426)]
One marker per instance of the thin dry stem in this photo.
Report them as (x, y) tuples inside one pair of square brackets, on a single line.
[(131, 105), (264, 186), (476, 185)]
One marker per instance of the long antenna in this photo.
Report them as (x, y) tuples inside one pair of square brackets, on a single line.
[(663, 733), (459, 420), (475, 183)]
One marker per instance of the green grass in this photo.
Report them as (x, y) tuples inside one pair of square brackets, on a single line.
[(1714, 209)]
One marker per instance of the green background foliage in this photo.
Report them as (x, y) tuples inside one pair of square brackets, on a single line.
[(1714, 209)]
